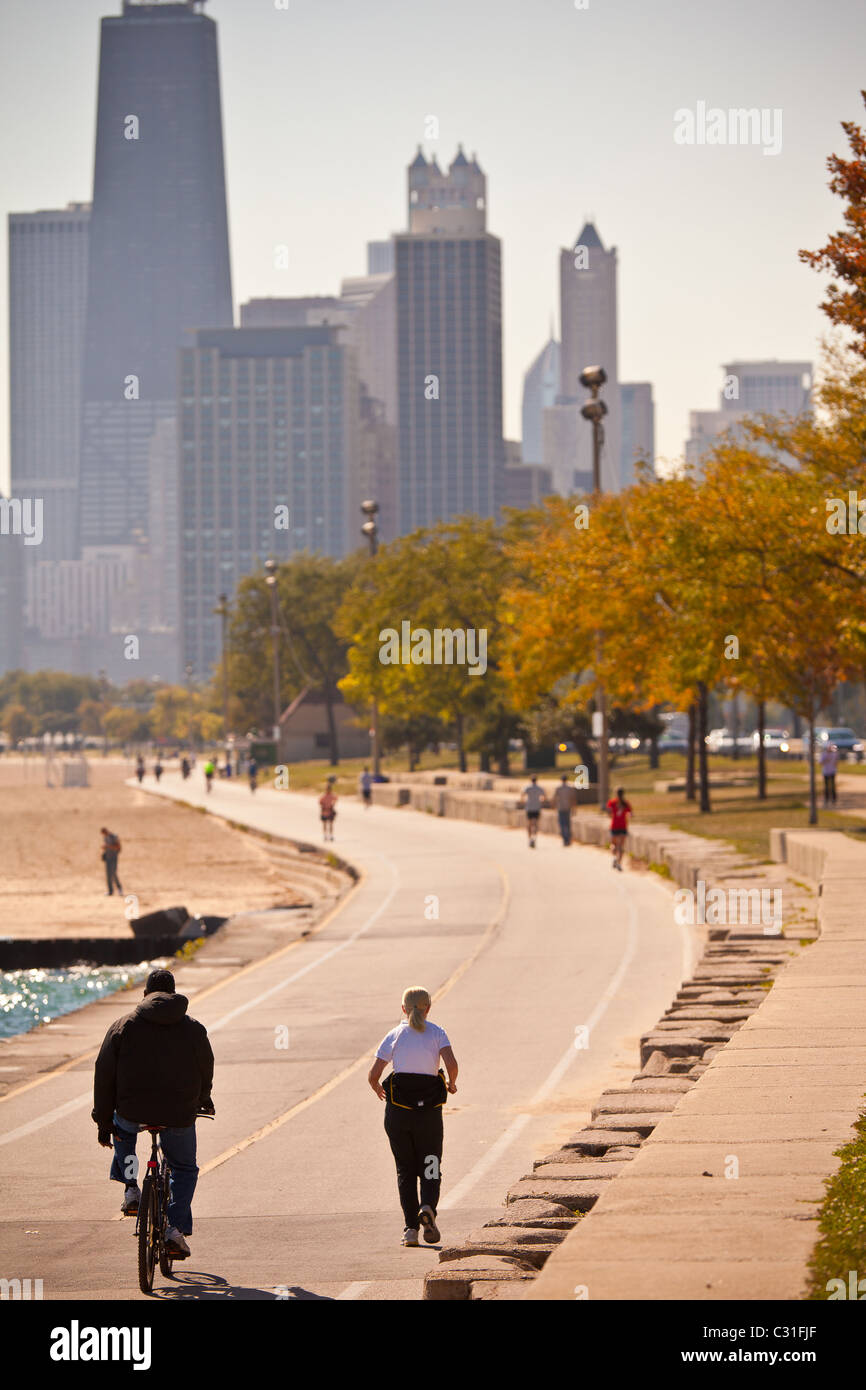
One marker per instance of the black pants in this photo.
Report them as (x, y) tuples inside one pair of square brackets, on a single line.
[(829, 787), (415, 1137)]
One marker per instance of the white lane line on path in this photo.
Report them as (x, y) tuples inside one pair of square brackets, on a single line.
[(364, 1060), (519, 1123), (61, 1111), (314, 965), (353, 1290)]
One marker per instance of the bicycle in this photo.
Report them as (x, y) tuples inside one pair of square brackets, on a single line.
[(152, 1219)]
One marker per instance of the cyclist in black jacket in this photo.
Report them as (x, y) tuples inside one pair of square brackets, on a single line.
[(155, 1066)]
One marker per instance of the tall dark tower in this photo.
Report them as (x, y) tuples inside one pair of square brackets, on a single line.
[(449, 348), (159, 254)]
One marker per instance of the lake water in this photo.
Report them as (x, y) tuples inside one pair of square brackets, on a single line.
[(31, 997)]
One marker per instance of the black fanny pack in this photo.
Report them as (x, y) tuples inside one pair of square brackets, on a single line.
[(410, 1090)]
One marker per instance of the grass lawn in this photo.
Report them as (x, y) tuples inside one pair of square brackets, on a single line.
[(737, 815)]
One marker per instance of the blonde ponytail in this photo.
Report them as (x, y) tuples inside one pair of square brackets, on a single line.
[(414, 1000)]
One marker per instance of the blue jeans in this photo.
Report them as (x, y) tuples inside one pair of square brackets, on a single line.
[(179, 1148), (565, 826)]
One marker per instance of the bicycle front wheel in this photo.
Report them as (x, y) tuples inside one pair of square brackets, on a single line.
[(148, 1234)]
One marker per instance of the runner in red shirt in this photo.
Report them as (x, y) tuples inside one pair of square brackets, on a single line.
[(620, 811)]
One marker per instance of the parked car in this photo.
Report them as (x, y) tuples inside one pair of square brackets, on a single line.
[(671, 742), (777, 742), (846, 741)]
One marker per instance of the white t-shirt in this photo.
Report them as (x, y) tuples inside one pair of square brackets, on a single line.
[(408, 1050)]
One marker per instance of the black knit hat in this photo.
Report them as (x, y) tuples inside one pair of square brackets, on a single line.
[(159, 981)]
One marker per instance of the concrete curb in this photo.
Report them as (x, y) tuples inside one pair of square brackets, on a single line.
[(729, 986)]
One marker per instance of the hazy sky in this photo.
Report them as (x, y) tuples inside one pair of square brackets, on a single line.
[(571, 112)]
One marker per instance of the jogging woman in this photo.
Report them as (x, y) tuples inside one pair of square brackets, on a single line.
[(620, 811), (414, 1094)]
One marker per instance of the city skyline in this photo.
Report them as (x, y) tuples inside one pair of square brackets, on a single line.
[(679, 319)]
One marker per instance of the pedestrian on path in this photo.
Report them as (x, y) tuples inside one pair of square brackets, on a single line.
[(829, 763), (328, 811), (157, 769), (620, 811), (155, 1066), (565, 800), (414, 1093), (110, 851), (533, 798), (209, 771), (253, 773), (184, 768), (365, 782), (140, 769)]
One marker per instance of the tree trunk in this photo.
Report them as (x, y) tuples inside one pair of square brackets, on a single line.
[(810, 754), (332, 726), (484, 760), (703, 769), (503, 763), (654, 752), (461, 749), (762, 753), (413, 755), (735, 726), (690, 756)]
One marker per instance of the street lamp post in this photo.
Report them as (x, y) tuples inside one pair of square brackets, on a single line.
[(271, 581), (223, 612), (370, 529), (103, 683), (593, 378), (188, 670)]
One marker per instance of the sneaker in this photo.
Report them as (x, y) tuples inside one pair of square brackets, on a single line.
[(131, 1199), (410, 1237), (427, 1217), (175, 1244)]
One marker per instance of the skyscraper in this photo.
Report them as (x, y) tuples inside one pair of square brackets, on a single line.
[(449, 348), (159, 255), (540, 389), (588, 309), (47, 302), (750, 388), (268, 425), (638, 427)]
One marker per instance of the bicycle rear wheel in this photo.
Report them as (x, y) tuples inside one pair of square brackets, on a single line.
[(148, 1234), (165, 1259)]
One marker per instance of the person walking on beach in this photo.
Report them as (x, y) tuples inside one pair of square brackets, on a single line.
[(829, 763), (155, 1065), (139, 769), (365, 782), (110, 851), (157, 769), (533, 798), (414, 1093), (620, 811), (564, 799), (209, 771), (328, 811)]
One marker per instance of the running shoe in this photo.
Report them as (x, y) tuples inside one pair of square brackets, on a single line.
[(427, 1217), (131, 1199), (410, 1237)]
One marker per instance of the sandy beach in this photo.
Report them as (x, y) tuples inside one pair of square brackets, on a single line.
[(53, 881)]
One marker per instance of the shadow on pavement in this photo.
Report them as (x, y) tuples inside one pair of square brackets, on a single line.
[(194, 1285)]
